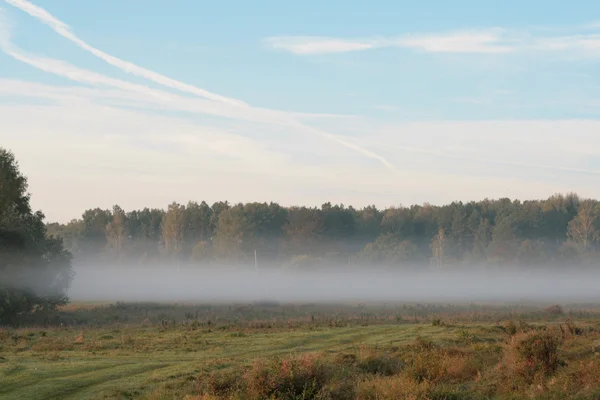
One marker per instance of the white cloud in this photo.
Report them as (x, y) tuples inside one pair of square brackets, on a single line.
[(468, 42), (64, 30), (457, 42), (234, 108), (5, 28), (575, 44), (471, 100), (180, 103), (386, 107), (487, 41), (537, 146), (317, 45)]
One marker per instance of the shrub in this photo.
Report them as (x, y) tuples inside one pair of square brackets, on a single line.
[(580, 377), (430, 363), (346, 358), (539, 351), (529, 357), (301, 377), (381, 365), (222, 383)]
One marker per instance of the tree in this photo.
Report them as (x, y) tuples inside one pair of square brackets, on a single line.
[(397, 221), (235, 234), (116, 232), (145, 229), (501, 232), (439, 243), (217, 208), (459, 231), (388, 250), (504, 245), (368, 223), (93, 241), (197, 223), (583, 228), (480, 231), (35, 269), (303, 230), (71, 234), (173, 228), (557, 211), (201, 253), (533, 253)]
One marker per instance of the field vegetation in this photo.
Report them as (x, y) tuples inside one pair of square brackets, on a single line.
[(268, 350)]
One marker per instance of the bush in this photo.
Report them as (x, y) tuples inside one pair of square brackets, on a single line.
[(528, 358), (429, 363), (581, 377), (381, 365), (222, 383), (539, 352), (301, 377)]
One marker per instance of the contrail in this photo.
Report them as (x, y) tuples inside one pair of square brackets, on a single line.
[(71, 72), (64, 30)]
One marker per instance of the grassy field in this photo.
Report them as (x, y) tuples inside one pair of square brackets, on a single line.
[(416, 351)]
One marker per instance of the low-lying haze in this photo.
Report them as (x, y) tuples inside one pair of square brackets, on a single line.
[(168, 284)]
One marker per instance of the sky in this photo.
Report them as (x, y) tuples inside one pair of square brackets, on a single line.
[(142, 103)]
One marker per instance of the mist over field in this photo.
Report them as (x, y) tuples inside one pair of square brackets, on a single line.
[(231, 284)]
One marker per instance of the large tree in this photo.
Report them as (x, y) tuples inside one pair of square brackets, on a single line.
[(35, 269)]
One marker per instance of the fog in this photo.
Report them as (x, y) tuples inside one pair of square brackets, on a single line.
[(240, 285)]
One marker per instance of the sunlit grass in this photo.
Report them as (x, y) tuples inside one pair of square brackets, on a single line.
[(155, 352)]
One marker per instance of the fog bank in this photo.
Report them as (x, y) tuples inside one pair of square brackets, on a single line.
[(230, 285)]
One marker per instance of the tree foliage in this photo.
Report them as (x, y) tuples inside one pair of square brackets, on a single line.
[(487, 233), (35, 269)]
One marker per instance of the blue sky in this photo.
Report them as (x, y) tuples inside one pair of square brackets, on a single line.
[(299, 102)]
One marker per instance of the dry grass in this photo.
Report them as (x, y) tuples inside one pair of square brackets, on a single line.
[(398, 387), (337, 356), (302, 376)]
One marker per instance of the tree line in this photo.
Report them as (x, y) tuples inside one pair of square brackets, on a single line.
[(36, 257), (560, 230)]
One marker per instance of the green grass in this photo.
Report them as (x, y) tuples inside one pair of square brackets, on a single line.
[(138, 358)]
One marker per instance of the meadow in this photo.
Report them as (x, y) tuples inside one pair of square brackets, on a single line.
[(267, 350)]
